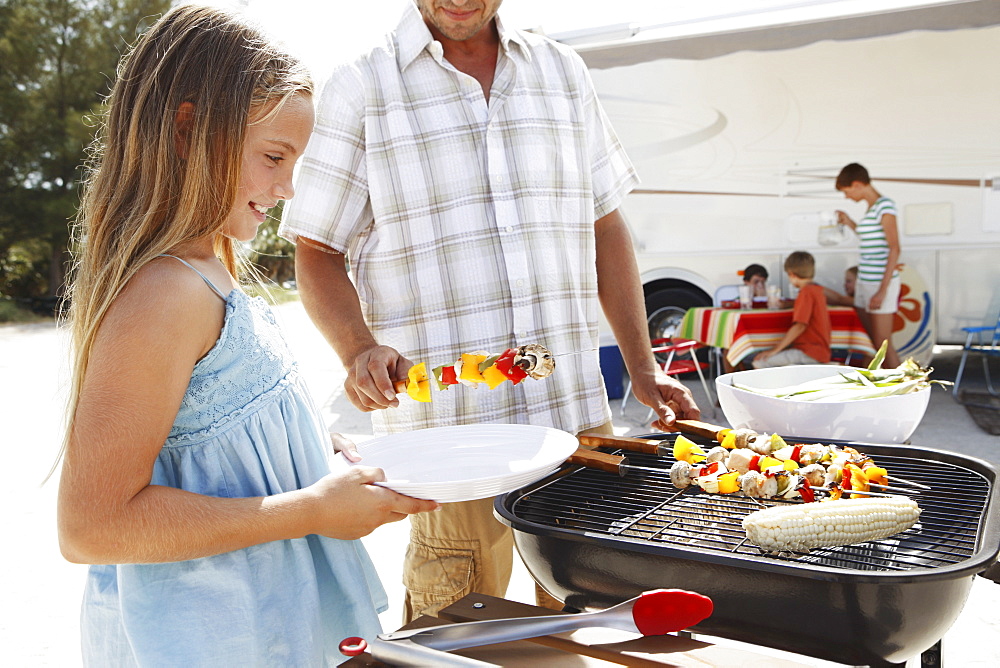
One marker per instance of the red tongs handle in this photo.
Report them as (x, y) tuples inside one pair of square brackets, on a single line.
[(353, 646)]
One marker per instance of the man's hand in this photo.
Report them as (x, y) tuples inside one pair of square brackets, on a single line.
[(370, 378), (667, 396)]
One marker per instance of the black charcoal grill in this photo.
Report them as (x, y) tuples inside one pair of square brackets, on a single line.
[(594, 539)]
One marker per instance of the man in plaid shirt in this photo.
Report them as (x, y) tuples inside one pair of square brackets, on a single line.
[(472, 179)]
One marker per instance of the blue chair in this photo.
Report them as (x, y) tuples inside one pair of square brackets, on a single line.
[(983, 340)]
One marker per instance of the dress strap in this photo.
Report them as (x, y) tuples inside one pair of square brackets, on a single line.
[(203, 277)]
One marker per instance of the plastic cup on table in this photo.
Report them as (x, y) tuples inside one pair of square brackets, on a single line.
[(773, 297), (746, 297)]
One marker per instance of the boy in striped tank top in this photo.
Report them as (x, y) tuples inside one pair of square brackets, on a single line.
[(876, 294)]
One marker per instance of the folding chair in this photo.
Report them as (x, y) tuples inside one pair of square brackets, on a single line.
[(841, 356), (673, 367), (724, 293), (976, 342)]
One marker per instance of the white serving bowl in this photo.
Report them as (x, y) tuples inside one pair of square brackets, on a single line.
[(883, 420)]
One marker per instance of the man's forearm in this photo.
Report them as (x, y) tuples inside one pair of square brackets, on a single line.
[(331, 300), (620, 292)]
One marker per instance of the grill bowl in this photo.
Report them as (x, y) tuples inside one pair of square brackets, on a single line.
[(882, 420), (593, 539)]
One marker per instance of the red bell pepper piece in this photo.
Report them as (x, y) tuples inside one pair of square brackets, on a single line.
[(448, 376), (806, 492), (505, 365), (796, 452), (754, 463)]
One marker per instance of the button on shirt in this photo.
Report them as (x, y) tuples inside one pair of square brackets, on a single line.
[(469, 225)]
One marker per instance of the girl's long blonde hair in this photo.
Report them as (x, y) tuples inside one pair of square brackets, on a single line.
[(142, 198)]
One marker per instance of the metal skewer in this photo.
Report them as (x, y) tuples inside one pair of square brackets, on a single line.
[(908, 482), (889, 488), (847, 492)]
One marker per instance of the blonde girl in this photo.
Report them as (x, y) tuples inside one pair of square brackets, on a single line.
[(196, 477)]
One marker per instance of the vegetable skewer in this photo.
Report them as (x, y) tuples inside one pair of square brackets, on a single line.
[(471, 369)]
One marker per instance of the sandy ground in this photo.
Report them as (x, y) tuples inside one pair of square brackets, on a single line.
[(41, 591)]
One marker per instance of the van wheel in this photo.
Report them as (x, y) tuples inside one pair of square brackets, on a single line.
[(666, 308)]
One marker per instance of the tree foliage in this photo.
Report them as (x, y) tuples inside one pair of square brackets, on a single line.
[(57, 62)]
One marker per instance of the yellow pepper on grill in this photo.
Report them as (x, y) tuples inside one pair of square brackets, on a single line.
[(686, 450)]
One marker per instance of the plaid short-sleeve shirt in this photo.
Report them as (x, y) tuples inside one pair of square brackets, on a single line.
[(469, 225)]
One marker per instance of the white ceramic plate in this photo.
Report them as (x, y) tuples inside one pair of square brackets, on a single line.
[(462, 463)]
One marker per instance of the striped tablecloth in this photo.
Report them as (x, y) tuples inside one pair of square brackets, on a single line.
[(745, 332)]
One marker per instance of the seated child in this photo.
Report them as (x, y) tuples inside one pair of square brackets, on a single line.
[(755, 275), (834, 298), (808, 339)]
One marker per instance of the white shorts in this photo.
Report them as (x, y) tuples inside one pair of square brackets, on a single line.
[(865, 290)]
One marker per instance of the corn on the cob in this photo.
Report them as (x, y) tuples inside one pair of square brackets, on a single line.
[(802, 527)]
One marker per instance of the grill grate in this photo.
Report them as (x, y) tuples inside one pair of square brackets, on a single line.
[(645, 507)]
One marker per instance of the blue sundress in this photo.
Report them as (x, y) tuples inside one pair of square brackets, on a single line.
[(247, 427)]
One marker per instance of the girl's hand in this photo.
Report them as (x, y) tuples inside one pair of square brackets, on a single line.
[(348, 506), (844, 219), (876, 301), (345, 446)]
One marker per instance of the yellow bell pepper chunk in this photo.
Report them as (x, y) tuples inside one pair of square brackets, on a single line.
[(728, 482), (686, 450), (729, 440), (877, 474), (417, 385), (767, 462), (420, 390), (492, 376), (417, 372), (470, 367), (791, 465)]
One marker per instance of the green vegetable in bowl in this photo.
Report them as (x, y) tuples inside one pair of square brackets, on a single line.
[(870, 383)]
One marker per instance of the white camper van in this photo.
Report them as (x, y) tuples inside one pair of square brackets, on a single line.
[(738, 133)]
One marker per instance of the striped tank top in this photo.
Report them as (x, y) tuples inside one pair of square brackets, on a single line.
[(874, 246)]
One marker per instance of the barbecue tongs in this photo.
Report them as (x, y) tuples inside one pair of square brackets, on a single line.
[(654, 612)]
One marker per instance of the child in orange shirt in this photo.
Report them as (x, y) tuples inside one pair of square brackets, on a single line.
[(808, 339)]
